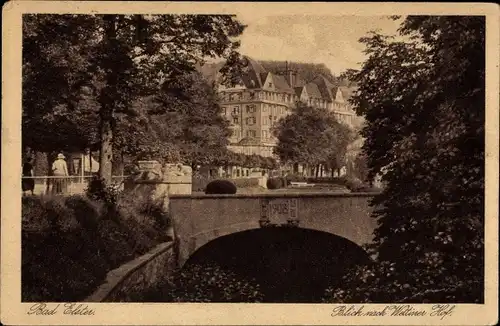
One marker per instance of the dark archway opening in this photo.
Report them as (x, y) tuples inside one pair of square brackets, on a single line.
[(291, 265)]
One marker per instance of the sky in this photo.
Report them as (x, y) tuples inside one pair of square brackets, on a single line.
[(332, 40)]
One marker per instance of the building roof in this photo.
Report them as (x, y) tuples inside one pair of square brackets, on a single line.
[(320, 87), (325, 88), (313, 90), (281, 84), (252, 78), (298, 90)]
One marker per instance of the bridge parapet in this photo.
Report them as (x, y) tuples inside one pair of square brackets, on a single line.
[(199, 219)]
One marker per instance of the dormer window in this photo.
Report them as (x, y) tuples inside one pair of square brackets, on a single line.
[(270, 84)]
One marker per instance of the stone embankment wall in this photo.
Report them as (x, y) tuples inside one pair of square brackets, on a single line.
[(128, 281)]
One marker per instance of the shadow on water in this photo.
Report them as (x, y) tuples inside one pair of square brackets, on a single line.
[(290, 264)]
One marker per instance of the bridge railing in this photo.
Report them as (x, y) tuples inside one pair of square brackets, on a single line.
[(69, 185)]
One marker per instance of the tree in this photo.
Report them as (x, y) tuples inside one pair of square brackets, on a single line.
[(120, 58), (52, 62), (311, 136), (202, 133), (423, 99)]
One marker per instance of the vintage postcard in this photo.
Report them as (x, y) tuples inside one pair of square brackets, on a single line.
[(249, 163)]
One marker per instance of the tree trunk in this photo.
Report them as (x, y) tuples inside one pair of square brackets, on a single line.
[(106, 152), (317, 170), (332, 172), (108, 100)]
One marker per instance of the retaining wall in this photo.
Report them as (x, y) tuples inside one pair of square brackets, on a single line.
[(128, 281)]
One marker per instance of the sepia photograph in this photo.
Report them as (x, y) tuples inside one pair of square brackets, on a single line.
[(234, 157)]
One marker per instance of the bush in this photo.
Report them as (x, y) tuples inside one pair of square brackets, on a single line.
[(70, 243), (221, 187), (275, 183), (107, 194), (205, 283), (200, 184)]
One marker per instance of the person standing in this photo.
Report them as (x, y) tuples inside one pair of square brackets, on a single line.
[(90, 166), (60, 171), (28, 183)]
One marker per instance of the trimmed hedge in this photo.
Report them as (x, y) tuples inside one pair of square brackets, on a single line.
[(200, 184), (69, 244), (276, 183), (221, 187)]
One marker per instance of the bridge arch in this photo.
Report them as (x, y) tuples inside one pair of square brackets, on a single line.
[(289, 264), (199, 219)]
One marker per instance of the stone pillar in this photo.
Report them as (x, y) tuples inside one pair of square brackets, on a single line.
[(157, 182)]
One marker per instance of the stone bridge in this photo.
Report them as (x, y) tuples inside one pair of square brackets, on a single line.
[(199, 219)]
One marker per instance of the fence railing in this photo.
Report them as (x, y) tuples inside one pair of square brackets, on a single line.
[(69, 185)]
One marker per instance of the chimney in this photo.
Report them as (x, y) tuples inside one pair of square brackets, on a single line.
[(289, 75)]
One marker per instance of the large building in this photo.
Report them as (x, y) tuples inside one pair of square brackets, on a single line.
[(263, 97)]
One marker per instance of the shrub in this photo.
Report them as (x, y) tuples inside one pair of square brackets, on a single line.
[(221, 187), (85, 211), (275, 183), (200, 184), (108, 194), (206, 283), (70, 243)]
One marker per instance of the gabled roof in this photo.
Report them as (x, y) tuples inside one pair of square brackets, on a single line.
[(325, 88), (253, 72), (313, 90), (263, 77), (281, 84), (298, 90)]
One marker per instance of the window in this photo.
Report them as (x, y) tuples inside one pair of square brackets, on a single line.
[(250, 108), (264, 108), (264, 122), (270, 85), (235, 120), (251, 120), (252, 95), (264, 134), (236, 110), (223, 111), (251, 133)]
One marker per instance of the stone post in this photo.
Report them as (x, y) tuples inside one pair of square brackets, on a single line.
[(159, 182)]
